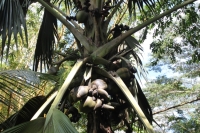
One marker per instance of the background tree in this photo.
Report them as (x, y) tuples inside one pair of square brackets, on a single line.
[(187, 125), (175, 47), (103, 61), (170, 96)]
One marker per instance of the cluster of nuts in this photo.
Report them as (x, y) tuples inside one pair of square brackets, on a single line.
[(83, 12), (91, 97)]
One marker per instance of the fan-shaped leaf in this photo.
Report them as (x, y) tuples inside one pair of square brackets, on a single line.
[(59, 123), (132, 43), (16, 87), (46, 41), (140, 4)]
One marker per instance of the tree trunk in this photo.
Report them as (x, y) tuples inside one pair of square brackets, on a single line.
[(98, 122)]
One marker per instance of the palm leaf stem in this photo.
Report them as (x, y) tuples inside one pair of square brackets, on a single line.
[(64, 87), (105, 49), (37, 114), (87, 44), (74, 23)]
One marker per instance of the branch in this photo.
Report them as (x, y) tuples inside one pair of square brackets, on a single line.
[(89, 47), (181, 104), (59, 53), (105, 49), (66, 57)]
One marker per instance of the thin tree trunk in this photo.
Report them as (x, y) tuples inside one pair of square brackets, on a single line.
[(181, 104)]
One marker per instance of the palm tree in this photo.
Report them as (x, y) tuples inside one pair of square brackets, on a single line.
[(102, 83)]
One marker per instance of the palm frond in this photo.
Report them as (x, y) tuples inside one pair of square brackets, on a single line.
[(140, 4), (68, 3), (45, 105), (25, 4), (6, 102), (132, 43), (23, 75), (45, 42), (60, 123), (28, 127), (23, 83), (17, 87), (11, 22)]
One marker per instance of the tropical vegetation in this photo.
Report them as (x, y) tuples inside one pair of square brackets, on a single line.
[(92, 61)]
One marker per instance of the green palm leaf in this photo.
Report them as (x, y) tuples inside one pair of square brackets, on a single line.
[(59, 123), (20, 83), (34, 126), (44, 106)]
